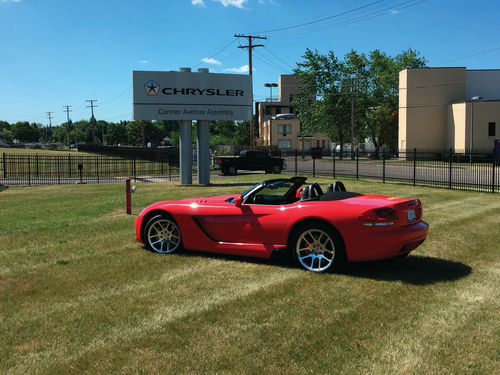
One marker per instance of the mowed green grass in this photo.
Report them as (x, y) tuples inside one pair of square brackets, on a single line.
[(41, 152), (80, 295)]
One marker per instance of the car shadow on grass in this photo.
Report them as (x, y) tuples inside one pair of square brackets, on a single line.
[(3, 187), (414, 269)]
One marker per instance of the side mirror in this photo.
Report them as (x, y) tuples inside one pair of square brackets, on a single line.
[(238, 200)]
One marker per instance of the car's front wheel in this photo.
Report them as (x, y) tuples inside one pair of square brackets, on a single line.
[(317, 248), (162, 234), (276, 169)]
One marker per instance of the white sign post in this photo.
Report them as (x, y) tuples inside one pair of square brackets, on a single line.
[(188, 96)]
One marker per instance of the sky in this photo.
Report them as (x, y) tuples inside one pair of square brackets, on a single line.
[(63, 52)]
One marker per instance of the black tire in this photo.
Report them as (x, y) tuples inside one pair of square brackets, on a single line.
[(232, 171), (276, 169), (224, 172), (316, 247), (162, 230)]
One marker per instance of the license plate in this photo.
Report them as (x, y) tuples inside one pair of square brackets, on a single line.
[(411, 216)]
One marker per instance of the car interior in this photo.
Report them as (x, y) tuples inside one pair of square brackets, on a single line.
[(278, 192)]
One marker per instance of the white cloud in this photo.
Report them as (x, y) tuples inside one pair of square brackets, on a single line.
[(394, 11), (143, 61), (13, 1), (241, 69), (234, 3), (210, 61), (199, 3)]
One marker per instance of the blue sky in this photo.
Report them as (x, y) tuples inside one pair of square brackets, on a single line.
[(62, 52)]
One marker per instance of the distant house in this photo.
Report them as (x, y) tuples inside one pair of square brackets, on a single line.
[(3, 138), (278, 123)]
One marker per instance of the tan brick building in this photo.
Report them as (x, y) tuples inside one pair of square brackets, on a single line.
[(443, 108), (285, 133)]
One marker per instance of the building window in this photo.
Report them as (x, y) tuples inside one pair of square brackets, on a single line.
[(284, 144), (284, 129), (290, 99), (491, 129), (267, 110), (278, 110), (323, 144)]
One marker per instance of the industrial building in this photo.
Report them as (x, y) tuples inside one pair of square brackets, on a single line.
[(443, 108)]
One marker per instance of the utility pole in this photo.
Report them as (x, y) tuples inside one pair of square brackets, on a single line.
[(352, 87), (67, 110), (92, 118), (49, 116), (250, 48), (68, 127)]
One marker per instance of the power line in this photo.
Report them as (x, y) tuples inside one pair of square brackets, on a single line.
[(321, 19), (277, 57), (216, 53), (471, 55)]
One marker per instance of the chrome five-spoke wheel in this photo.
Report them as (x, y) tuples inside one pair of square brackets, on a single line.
[(317, 248), (162, 234)]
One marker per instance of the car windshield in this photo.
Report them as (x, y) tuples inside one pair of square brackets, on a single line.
[(250, 189), (273, 192)]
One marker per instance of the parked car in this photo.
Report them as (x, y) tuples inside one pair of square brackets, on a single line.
[(284, 116), (252, 160), (319, 230)]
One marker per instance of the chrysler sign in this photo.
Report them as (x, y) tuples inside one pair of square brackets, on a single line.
[(191, 96)]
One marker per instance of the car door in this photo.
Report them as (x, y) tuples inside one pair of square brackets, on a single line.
[(249, 223)]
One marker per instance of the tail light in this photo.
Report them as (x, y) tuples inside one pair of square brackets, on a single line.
[(220, 161), (379, 217)]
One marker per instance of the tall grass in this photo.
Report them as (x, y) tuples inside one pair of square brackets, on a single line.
[(78, 294)]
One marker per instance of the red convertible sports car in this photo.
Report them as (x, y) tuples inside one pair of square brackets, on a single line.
[(321, 230)]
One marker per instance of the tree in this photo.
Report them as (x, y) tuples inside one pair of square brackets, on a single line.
[(25, 132), (242, 133), (117, 133), (322, 107), (383, 94), (369, 83)]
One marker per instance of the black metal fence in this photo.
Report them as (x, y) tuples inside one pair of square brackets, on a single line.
[(476, 170), (39, 169)]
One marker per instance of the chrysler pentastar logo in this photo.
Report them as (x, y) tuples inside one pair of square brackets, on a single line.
[(152, 88)]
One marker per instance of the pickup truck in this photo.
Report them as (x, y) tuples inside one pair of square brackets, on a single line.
[(250, 160)]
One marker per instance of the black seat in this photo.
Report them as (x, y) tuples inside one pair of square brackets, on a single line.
[(337, 186), (311, 192)]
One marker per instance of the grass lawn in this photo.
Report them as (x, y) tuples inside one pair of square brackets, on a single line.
[(79, 294), (41, 152)]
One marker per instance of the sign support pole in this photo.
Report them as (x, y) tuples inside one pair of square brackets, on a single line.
[(186, 147), (186, 152)]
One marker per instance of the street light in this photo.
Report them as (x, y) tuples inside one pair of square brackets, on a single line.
[(270, 85), (471, 143)]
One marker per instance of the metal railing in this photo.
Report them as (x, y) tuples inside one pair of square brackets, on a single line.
[(476, 170), (38, 169)]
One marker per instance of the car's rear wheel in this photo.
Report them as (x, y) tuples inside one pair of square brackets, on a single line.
[(162, 234), (317, 248), (233, 171)]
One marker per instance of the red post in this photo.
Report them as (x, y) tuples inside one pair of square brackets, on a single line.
[(128, 196)]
